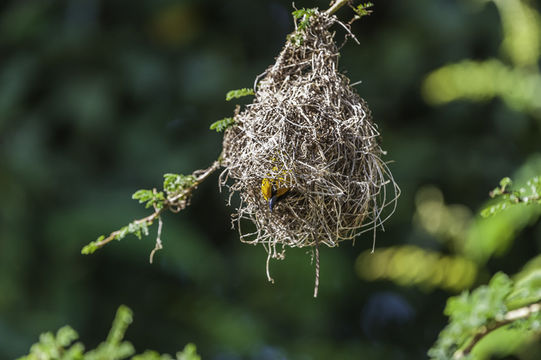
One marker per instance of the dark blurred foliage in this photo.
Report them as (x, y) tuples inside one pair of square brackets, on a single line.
[(101, 98)]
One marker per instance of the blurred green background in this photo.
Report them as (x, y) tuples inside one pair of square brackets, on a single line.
[(101, 98)]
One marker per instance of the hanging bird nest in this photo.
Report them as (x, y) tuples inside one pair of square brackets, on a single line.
[(308, 142)]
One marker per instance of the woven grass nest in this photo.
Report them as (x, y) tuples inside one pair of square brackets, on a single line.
[(309, 132)]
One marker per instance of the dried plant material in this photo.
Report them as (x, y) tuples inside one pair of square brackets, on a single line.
[(306, 131)]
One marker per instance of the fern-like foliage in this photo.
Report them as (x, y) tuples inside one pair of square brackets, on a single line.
[(507, 197), (174, 184), (175, 193), (235, 94), (52, 347), (222, 124), (149, 198), (363, 9), (303, 16), (501, 303), (61, 346), (468, 312)]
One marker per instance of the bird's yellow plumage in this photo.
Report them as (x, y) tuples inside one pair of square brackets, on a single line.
[(281, 192), (266, 189), (273, 191)]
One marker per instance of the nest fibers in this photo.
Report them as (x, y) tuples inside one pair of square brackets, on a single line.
[(308, 131)]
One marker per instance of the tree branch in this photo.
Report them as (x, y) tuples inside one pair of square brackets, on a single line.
[(169, 204), (337, 5), (509, 317)]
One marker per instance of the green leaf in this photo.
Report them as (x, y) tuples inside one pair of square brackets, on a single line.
[(92, 246), (470, 311), (142, 195), (527, 290), (150, 197), (51, 347), (304, 15), (507, 198), (235, 94), (175, 183), (363, 9), (505, 182), (189, 353), (65, 336), (123, 319), (152, 355), (494, 209), (222, 124)]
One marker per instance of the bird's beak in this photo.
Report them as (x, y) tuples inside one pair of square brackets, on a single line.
[(272, 202)]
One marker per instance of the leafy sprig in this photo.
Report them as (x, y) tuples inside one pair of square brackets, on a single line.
[(222, 124), (363, 9), (51, 347), (507, 197), (150, 197), (235, 94), (303, 15), (61, 347), (468, 312), (174, 184), (175, 196), (475, 315)]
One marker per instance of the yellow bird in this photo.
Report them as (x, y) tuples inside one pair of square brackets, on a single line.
[(273, 192)]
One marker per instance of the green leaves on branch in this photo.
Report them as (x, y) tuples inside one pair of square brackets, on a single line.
[(489, 307), (503, 302), (51, 347), (174, 184), (506, 197), (222, 124), (304, 16), (151, 198), (363, 9), (137, 228), (91, 247), (189, 353), (468, 312), (514, 305), (176, 191), (235, 94)]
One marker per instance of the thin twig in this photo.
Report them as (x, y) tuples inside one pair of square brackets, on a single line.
[(509, 317), (337, 5), (169, 202), (148, 220), (158, 239)]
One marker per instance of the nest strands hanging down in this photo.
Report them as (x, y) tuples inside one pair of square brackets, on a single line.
[(309, 132)]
